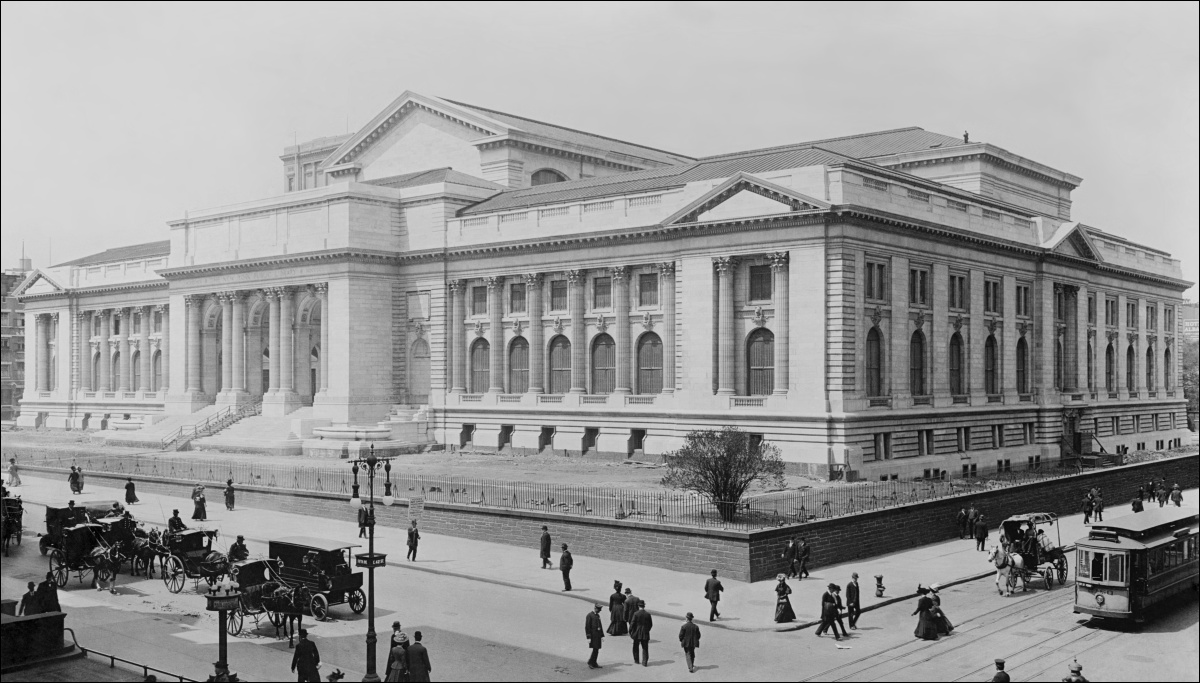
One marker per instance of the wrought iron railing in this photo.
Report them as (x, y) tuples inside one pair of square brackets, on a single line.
[(113, 659), (211, 425)]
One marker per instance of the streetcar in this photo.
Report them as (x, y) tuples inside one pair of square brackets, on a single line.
[(1128, 565)]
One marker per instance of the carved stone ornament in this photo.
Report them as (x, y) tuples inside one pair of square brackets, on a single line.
[(156, 342), (991, 324), (456, 286), (647, 321), (602, 324), (1112, 335), (760, 317), (1151, 338), (876, 316), (493, 282), (919, 320), (725, 264), (576, 277), (533, 280), (667, 268), (620, 274), (558, 325), (1091, 333), (779, 260), (517, 326), (1132, 337), (958, 322), (478, 328), (1024, 328), (419, 329), (1060, 330), (95, 344)]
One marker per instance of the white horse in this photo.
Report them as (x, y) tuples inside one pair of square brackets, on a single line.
[(1008, 565)]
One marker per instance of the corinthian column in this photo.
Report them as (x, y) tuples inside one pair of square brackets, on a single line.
[(226, 301), (533, 298), (495, 288), (287, 340), (667, 278), (105, 361), (323, 295), (456, 345), (620, 276), (577, 280), (164, 343), (273, 296), (83, 320), (144, 352), (123, 382), (779, 290), (193, 304), (237, 358), (726, 347), (41, 342)]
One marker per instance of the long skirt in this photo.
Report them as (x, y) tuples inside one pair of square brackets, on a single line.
[(200, 513), (229, 500), (944, 627), (783, 610), (616, 623), (130, 497), (926, 627)]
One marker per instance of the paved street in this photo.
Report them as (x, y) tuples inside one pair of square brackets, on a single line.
[(478, 630)]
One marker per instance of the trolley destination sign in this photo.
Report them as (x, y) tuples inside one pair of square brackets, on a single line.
[(370, 560)]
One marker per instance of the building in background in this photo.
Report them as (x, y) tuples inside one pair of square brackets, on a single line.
[(1191, 323), (12, 341)]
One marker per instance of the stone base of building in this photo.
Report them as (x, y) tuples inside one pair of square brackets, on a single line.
[(280, 403)]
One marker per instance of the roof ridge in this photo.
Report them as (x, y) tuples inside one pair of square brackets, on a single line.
[(573, 130), (158, 244), (810, 144)]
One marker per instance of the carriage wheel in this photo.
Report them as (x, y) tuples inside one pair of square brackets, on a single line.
[(61, 572), (1048, 576), (357, 600), (234, 624), (172, 573), (20, 529), (104, 573), (44, 544), (276, 618), (319, 606), (1012, 581), (1061, 567)]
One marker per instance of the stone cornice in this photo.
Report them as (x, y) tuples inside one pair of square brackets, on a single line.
[(291, 202), (328, 256), (548, 149), (100, 289), (990, 158)]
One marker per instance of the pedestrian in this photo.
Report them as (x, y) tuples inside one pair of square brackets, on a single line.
[(419, 667), (565, 562), (1001, 675), (828, 613), (364, 518), (79, 480), (804, 553), (593, 630), (1076, 675), (926, 624), (397, 632), (14, 475), (1098, 507), (199, 513), (1136, 505), (130, 492), (972, 518), (414, 538), (306, 660), (229, 495), (944, 627), (1141, 493), (397, 665), (545, 548), (73, 480), (175, 524), (616, 612), (689, 639), (1163, 494), (981, 532), (853, 605), (640, 631), (1177, 496), (47, 595), (1087, 509), (712, 593), (631, 603), (791, 553), (961, 523), (1152, 490), (783, 605), (29, 601)]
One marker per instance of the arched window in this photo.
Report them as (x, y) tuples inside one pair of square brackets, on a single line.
[(604, 365), (96, 371), (1091, 372), (481, 373), (1130, 369), (518, 366), (1022, 366), (916, 364), (650, 364), (1168, 371), (957, 386), (1058, 365), (560, 365), (760, 363), (1110, 367), (156, 370), (115, 373), (135, 365), (545, 177), (991, 377), (1151, 385), (419, 363), (874, 363)]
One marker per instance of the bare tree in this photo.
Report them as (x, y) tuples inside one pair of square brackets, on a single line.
[(722, 465)]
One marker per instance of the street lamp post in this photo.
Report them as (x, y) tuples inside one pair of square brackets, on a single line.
[(371, 559), (222, 597)]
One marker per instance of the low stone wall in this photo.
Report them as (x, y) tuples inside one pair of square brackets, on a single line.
[(739, 555)]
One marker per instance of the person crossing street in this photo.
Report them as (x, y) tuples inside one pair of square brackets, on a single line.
[(593, 630), (712, 592), (689, 640), (545, 548), (565, 563)]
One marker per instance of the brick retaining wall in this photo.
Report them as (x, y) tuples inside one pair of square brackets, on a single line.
[(738, 555)]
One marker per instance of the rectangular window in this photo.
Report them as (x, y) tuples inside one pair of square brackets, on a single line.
[(479, 301), (992, 215), (992, 302), (1110, 312), (1023, 300), (997, 436), (516, 298), (760, 283), (1060, 304), (964, 439), (1028, 433), (918, 287), (1004, 466), (876, 281), (1131, 314), (602, 292), (648, 289), (883, 446), (1151, 317), (558, 295), (925, 442), (958, 292), (957, 205), (1091, 309), (1168, 319)]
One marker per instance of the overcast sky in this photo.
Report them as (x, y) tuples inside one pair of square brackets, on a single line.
[(118, 118)]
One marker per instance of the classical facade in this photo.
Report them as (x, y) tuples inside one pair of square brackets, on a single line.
[(899, 303)]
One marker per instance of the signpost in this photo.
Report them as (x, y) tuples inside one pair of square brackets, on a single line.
[(370, 560)]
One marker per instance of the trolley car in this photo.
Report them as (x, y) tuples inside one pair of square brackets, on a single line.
[(1128, 565)]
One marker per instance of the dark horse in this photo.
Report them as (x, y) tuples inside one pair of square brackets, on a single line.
[(11, 530), (287, 606)]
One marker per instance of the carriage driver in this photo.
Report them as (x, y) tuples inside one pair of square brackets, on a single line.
[(1049, 552), (175, 524), (238, 551)]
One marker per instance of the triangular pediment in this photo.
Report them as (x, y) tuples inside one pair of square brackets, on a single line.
[(37, 282), (1071, 239), (744, 196)]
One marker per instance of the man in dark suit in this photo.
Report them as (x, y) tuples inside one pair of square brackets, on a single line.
[(640, 632), (712, 592), (961, 521), (853, 605), (175, 524), (565, 562), (29, 602), (418, 660), (828, 613), (804, 553), (981, 532), (545, 542), (1001, 675), (414, 537), (791, 555), (972, 516), (306, 660), (689, 638), (593, 629), (47, 592), (631, 603), (364, 519)]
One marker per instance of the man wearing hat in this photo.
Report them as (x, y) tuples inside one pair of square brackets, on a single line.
[(593, 630), (414, 538), (1076, 675), (1001, 675), (712, 592), (306, 660), (238, 552), (565, 562), (545, 542), (981, 532), (689, 638), (829, 612), (853, 605), (175, 524), (640, 632), (1177, 496)]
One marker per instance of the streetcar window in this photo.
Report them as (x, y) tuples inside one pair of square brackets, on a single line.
[(1097, 572), (1116, 568)]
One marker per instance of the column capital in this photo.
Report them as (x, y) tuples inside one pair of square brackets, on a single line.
[(667, 268), (620, 274), (577, 276), (193, 300), (120, 312), (725, 264), (161, 308), (457, 286), (271, 293), (494, 282), (225, 297), (81, 316), (779, 260), (321, 288), (533, 280)]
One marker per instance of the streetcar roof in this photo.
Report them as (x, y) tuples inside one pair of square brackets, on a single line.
[(314, 543)]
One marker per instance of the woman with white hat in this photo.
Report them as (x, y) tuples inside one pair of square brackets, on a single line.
[(944, 627)]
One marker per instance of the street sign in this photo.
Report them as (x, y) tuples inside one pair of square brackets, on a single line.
[(370, 561), (416, 505)]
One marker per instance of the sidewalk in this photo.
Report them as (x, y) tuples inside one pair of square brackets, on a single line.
[(744, 607)]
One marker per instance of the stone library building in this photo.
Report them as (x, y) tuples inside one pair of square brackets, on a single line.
[(898, 303)]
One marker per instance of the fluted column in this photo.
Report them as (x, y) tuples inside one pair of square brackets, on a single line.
[(667, 292), (782, 329), (1120, 348), (83, 320), (123, 382), (273, 296), (105, 361), (193, 304), (164, 344), (577, 281), (237, 358), (145, 320), (624, 383), (42, 344), (1139, 353), (226, 301), (456, 344), (726, 335), (287, 340), (495, 289), (322, 290), (533, 299), (1160, 348)]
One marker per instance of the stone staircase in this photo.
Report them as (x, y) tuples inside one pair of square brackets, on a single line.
[(153, 436), (263, 434)]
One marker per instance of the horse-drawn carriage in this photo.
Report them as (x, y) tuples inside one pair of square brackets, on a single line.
[(1031, 548), (59, 518), (324, 568), (191, 556), (12, 514), (82, 549)]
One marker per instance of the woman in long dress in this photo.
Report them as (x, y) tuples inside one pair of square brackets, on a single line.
[(944, 627), (397, 665), (229, 495), (783, 606), (130, 491), (926, 624), (199, 513), (617, 625)]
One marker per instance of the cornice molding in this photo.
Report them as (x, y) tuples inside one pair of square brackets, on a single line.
[(991, 158), (88, 291)]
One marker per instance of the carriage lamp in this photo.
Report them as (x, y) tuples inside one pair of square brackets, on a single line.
[(388, 498), (879, 585)]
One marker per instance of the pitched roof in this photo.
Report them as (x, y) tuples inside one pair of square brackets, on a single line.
[(132, 252), (868, 145), (433, 175), (580, 137)]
